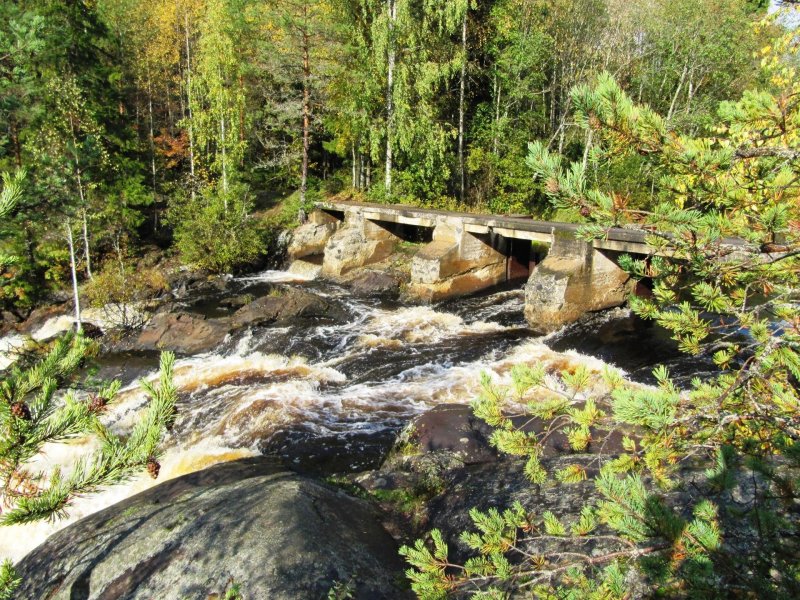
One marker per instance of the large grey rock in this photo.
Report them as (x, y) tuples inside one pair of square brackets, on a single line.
[(286, 304), (186, 333), (278, 535)]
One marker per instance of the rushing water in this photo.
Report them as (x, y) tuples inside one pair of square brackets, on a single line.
[(330, 396)]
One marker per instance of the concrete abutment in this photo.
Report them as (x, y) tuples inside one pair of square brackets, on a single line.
[(458, 259), (574, 278), (455, 263)]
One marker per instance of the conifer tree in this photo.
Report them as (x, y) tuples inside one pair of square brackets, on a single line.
[(725, 270), (35, 410)]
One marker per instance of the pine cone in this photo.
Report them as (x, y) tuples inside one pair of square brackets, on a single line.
[(586, 211), (153, 467), (97, 404), (773, 248), (21, 411)]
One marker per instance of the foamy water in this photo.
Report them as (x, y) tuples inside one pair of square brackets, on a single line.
[(386, 364)]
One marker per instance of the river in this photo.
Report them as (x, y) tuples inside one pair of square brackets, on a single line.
[(330, 397)]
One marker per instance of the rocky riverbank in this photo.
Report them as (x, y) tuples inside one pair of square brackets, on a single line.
[(275, 533)]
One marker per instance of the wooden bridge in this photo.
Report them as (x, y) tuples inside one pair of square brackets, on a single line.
[(461, 253)]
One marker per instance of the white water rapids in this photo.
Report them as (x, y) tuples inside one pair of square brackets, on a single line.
[(372, 373)]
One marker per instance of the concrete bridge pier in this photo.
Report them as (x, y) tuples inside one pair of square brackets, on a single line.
[(356, 243), (455, 263), (574, 278)]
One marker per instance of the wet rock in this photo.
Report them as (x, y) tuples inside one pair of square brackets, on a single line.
[(37, 318), (306, 451), (92, 331), (276, 534), (443, 464), (236, 301), (310, 269), (199, 283), (285, 304), (186, 333), (452, 428), (372, 283)]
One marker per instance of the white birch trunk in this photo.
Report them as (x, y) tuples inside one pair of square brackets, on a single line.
[(152, 140), (86, 245), (74, 269), (392, 10), (462, 88), (224, 160), (189, 103)]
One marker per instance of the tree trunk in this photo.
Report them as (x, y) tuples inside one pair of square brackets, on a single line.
[(82, 196), (223, 145), (306, 117), (354, 179), (152, 140), (391, 6), (13, 128), (189, 104), (677, 92), (461, 108), (86, 245), (73, 268), (496, 114), (588, 148)]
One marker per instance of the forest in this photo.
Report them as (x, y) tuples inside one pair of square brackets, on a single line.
[(154, 154), (204, 125)]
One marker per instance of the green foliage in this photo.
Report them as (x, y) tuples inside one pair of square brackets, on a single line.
[(122, 293), (215, 230), (9, 581), (34, 412), (31, 415)]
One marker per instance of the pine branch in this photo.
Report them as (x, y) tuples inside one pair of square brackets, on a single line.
[(118, 460)]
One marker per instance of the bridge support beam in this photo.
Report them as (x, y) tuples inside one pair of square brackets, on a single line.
[(572, 280), (455, 263), (358, 242)]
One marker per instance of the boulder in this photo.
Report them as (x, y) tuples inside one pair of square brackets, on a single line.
[(285, 304), (455, 263), (371, 283), (452, 428), (187, 333), (310, 238), (574, 279), (305, 268), (275, 534), (359, 242)]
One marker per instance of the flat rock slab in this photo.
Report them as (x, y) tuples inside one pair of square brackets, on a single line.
[(276, 534), (183, 332)]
